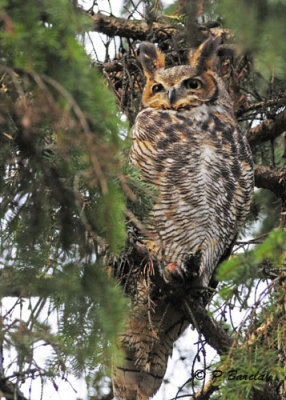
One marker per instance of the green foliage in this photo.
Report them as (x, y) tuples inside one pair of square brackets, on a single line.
[(268, 153), (266, 209), (248, 368), (240, 271), (142, 194), (109, 218), (61, 201), (253, 362), (171, 9), (273, 248), (88, 318), (258, 26)]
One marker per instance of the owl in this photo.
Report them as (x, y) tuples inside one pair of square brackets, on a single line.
[(187, 144)]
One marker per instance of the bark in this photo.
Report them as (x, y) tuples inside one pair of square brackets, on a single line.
[(262, 106), (273, 179), (214, 333), (140, 30), (133, 29), (269, 129)]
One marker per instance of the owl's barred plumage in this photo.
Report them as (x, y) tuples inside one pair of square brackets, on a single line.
[(201, 167), (186, 143)]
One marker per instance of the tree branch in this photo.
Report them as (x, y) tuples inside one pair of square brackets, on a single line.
[(140, 30), (273, 179), (10, 390), (135, 29), (268, 129), (213, 332), (206, 391), (262, 106)]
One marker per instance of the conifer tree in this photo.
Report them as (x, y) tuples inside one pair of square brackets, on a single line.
[(61, 201)]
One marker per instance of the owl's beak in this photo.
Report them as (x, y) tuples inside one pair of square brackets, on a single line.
[(172, 96)]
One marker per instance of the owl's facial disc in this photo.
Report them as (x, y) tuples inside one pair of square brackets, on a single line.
[(180, 88)]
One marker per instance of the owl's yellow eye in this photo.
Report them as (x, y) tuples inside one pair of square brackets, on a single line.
[(193, 84), (158, 87)]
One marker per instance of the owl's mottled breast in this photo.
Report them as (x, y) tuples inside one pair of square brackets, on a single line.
[(201, 164), (167, 133)]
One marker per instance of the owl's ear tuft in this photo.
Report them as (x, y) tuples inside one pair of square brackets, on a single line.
[(151, 58), (204, 57)]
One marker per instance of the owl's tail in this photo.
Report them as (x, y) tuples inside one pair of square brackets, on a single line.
[(147, 342)]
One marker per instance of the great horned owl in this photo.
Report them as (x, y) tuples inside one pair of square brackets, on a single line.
[(186, 143)]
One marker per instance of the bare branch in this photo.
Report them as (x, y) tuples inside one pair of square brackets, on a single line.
[(140, 30), (267, 130), (135, 29), (273, 179), (213, 332), (262, 106)]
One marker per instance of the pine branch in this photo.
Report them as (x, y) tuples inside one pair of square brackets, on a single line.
[(268, 129), (11, 286), (273, 179)]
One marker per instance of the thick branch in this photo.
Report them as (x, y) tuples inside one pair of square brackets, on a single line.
[(140, 30), (213, 332), (267, 130), (10, 390), (135, 29), (273, 179)]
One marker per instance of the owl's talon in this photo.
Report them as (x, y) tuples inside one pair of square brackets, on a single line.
[(173, 273)]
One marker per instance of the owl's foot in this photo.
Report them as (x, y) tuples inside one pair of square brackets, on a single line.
[(173, 273)]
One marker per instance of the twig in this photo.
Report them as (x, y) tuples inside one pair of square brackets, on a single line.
[(262, 105)]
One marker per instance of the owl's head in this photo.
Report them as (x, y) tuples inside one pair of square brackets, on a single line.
[(182, 87)]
